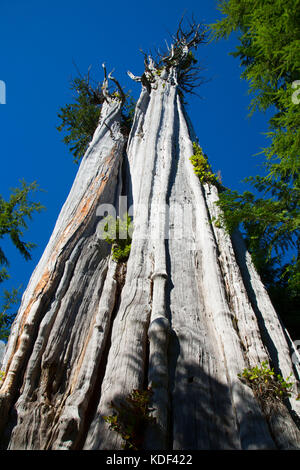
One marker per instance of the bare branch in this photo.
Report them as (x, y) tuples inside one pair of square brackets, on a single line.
[(104, 71), (134, 77), (123, 97), (143, 79), (105, 85)]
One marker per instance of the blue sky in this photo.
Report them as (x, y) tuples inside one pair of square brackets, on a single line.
[(41, 41)]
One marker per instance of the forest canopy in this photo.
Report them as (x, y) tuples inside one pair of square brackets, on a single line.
[(269, 54), (14, 216)]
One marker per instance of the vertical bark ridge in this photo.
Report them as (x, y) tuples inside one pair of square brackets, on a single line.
[(45, 338), (158, 332), (126, 366), (253, 431), (247, 325), (244, 318), (275, 336), (86, 380), (277, 339), (193, 358)]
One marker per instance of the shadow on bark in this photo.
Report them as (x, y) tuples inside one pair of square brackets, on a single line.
[(240, 253)]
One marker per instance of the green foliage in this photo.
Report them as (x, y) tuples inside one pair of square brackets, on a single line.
[(271, 223), (13, 221), (79, 120), (6, 316), (266, 384), (131, 417), (269, 53), (268, 47), (1, 376), (119, 233), (201, 166), (271, 230)]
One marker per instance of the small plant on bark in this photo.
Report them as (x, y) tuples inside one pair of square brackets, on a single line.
[(1, 377), (131, 417), (267, 385), (119, 236), (202, 168)]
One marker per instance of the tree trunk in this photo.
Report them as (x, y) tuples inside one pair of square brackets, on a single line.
[(184, 315)]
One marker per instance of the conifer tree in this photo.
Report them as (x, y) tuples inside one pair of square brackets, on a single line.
[(268, 51)]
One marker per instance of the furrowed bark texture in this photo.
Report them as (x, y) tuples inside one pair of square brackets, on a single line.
[(185, 315)]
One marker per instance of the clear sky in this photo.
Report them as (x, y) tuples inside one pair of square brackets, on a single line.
[(40, 42)]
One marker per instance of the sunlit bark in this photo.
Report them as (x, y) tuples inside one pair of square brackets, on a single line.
[(184, 315)]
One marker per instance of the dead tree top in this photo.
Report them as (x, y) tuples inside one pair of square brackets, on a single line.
[(178, 60)]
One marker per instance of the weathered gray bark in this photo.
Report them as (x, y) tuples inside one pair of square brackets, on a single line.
[(2, 350), (191, 314)]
